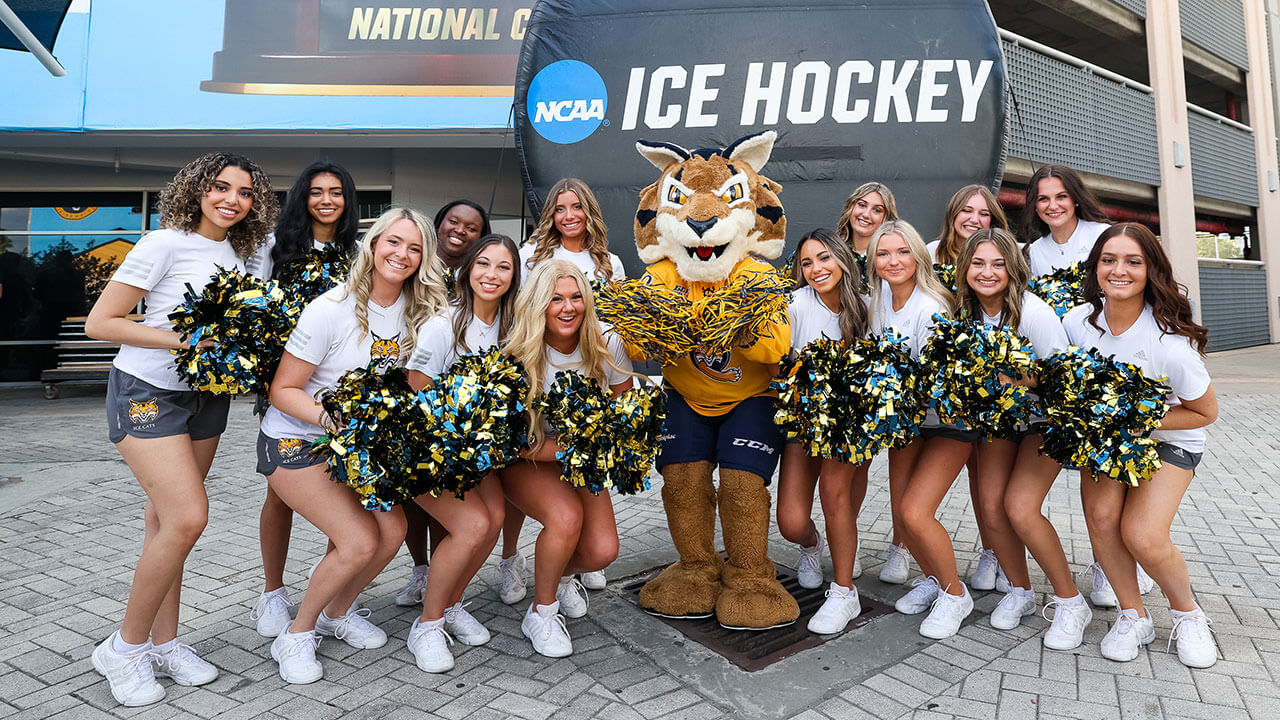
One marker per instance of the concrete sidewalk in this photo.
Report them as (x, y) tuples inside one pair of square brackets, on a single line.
[(71, 528)]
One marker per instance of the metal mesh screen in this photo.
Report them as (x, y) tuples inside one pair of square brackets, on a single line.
[(1136, 6), (1233, 305), (1222, 161), (1216, 26), (1069, 116)]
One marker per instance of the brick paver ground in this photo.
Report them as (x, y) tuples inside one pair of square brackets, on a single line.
[(70, 531)]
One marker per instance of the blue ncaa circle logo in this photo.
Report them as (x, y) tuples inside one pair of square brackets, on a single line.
[(567, 101)]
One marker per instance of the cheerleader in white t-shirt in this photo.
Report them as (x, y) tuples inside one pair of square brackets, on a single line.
[(556, 330), (215, 213), (1136, 311), (478, 319), (826, 305), (1064, 217), (370, 321), (905, 295), (571, 228), (1013, 477)]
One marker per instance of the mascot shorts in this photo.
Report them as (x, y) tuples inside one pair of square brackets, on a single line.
[(745, 438)]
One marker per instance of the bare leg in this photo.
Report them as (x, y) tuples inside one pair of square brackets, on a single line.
[(1148, 516), (902, 463), (537, 490), (415, 535), (1104, 505), (490, 494), (467, 521), (929, 541), (796, 484), (836, 485), (275, 526), (1032, 478), (512, 524), (995, 465)]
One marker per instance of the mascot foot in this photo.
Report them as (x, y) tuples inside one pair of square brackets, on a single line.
[(752, 598), (690, 587)]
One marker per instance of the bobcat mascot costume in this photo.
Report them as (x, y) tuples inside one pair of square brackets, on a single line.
[(705, 221)]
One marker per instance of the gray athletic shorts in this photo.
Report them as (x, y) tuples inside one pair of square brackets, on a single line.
[(1177, 457), (136, 408), (287, 453)]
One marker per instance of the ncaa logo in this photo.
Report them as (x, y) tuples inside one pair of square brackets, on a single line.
[(566, 102)]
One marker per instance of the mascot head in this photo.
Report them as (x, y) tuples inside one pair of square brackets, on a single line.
[(710, 208)]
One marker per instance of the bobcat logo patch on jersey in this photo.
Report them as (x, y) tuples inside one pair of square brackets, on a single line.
[(717, 367), (143, 412), (288, 448), (385, 352)]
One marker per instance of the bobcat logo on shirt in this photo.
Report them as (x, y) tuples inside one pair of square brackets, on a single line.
[(289, 448), (143, 412), (385, 352), (716, 367)]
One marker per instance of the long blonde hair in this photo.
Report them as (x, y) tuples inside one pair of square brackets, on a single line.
[(1015, 267), (844, 227), (546, 237), (526, 342), (950, 244), (925, 278), (424, 292)]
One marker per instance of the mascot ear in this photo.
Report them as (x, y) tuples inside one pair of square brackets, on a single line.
[(753, 150), (663, 155)]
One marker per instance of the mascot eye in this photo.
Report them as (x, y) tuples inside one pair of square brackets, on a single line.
[(676, 195), (732, 193)]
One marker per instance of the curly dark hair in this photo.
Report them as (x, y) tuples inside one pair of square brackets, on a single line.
[(1166, 296), (1087, 205), (293, 229), (180, 200)]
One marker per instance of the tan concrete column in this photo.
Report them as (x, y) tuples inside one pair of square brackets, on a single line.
[(1175, 194), (1262, 116)]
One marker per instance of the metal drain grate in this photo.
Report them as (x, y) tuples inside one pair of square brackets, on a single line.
[(756, 650)]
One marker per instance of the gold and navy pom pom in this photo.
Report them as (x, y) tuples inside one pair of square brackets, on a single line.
[(604, 442), (946, 275), (651, 319), (849, 401), (312, 275), (1063, 289), (247, 321), (476, 423), (962, 361), (1099, 415), (787, 268), (379, 430), (740, 312)]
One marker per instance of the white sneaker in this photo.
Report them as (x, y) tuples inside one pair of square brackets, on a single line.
[(131, 675), (429, 642), (511, 574), (947, 614), (353, 628), (572, 598), (1127, 634), (296, 653), (463, 625), (183, 666), (1002, 580), (1145, 583), (897, 565), (546, 630), (413, 590), (272, 612), (857, 561), (809, 565), (983, 576), (920, 598), (1101, 595), (1194, 634), (593, 580), (1015, 605), (841, 606), (1070, 617)]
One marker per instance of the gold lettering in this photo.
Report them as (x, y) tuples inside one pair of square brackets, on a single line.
[(381, 25), (475, 25), (489, 32), (430, 29), (401, 14), (454, 21), (519, 23), (360, 20)]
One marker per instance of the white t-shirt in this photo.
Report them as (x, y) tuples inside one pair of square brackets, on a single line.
[(328, 336), (560, 362), (163, 263), (436, 350), (1158, 355), (260, 263), (914, 320), (1047, 255), (811, 318), (581, 259), (933, 250), (1039, 324)]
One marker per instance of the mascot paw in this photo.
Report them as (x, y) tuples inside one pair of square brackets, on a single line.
[(682, 591), (751, 601)]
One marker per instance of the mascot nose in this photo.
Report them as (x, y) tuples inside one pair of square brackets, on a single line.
[(701, 226)]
